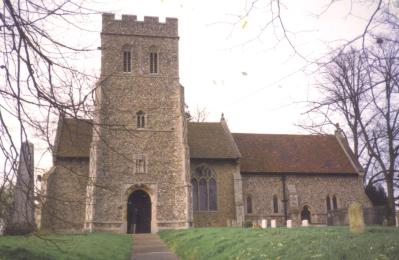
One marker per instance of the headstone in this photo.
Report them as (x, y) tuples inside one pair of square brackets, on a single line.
[(356, 219), (273, 223), (228, 222), (289, 223), (264, 223), (305, 223), (21, 219)]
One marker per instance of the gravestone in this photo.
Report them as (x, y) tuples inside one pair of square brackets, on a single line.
[(305, 223), (264, 223), (21, 218), (289, 223), (273, 223), (356, 219)]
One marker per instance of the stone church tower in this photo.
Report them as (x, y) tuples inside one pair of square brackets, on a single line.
[(139, 162)]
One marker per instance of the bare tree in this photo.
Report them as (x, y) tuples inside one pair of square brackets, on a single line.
[(199, 115), (360, 88), (39, 80)]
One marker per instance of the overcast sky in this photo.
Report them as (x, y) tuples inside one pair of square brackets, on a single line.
[(228, 64)]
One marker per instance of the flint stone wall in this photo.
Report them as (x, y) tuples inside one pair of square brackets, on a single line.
[(65, 198), (311, 190), (162, 142)]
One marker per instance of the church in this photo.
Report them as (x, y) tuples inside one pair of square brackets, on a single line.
[(140, 166)]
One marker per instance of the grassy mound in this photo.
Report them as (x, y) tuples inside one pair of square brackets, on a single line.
[(282, 243), (86, 246)]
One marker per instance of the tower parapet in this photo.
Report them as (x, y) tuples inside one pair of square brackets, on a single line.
[(129, 25)]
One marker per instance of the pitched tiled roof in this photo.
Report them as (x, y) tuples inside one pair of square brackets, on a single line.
[(269, 153), (211, 141), (73, 138)]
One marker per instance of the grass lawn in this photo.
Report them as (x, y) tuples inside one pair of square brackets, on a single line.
[(96, 246), (282, 243)]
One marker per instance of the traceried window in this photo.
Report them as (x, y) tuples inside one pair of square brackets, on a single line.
[(153, 60), (204, 189), (275, 204), (140, 119), (328, 203), (249, 205), (194, 184), (127, 60), (335, 202), (140, 163)]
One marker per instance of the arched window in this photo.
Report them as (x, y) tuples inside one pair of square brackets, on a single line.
[(249, 205), (275, 204), (203, 194), (204, 189), (140, 163), (140, 119), (328, 203), (334, 202), (127, 59), (153, 60), (194, 184)]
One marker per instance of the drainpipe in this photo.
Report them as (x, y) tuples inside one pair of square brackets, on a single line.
[(285, 200)]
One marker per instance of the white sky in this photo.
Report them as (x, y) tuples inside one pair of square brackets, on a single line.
[(258, 83)]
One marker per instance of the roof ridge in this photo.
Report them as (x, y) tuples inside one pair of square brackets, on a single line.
[(319, 135)]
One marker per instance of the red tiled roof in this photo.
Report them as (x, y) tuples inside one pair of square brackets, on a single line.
[(73, 138), (211, 141), (274, 153)]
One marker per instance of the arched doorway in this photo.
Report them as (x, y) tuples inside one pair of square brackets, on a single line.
[(139, 212), (305, 213)]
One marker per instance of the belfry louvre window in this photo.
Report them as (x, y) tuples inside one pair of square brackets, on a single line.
[(127, 61), (140, 119), (204, 189), (153, 60)]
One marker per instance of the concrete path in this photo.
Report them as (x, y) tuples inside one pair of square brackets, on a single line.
[(150, 247)]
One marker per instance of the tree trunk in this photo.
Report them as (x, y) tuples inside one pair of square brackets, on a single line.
[(391, 221)]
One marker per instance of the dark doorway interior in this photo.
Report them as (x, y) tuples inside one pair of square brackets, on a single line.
[(139, 212), (305, 213)]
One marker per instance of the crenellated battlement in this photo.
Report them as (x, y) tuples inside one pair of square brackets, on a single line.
[(130, 25)]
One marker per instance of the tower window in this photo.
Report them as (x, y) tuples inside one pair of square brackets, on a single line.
[(140, 119), (127, 61), (140, 164), (153, 60)]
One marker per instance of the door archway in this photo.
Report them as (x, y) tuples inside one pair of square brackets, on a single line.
[(305, 213), (139, 212)]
